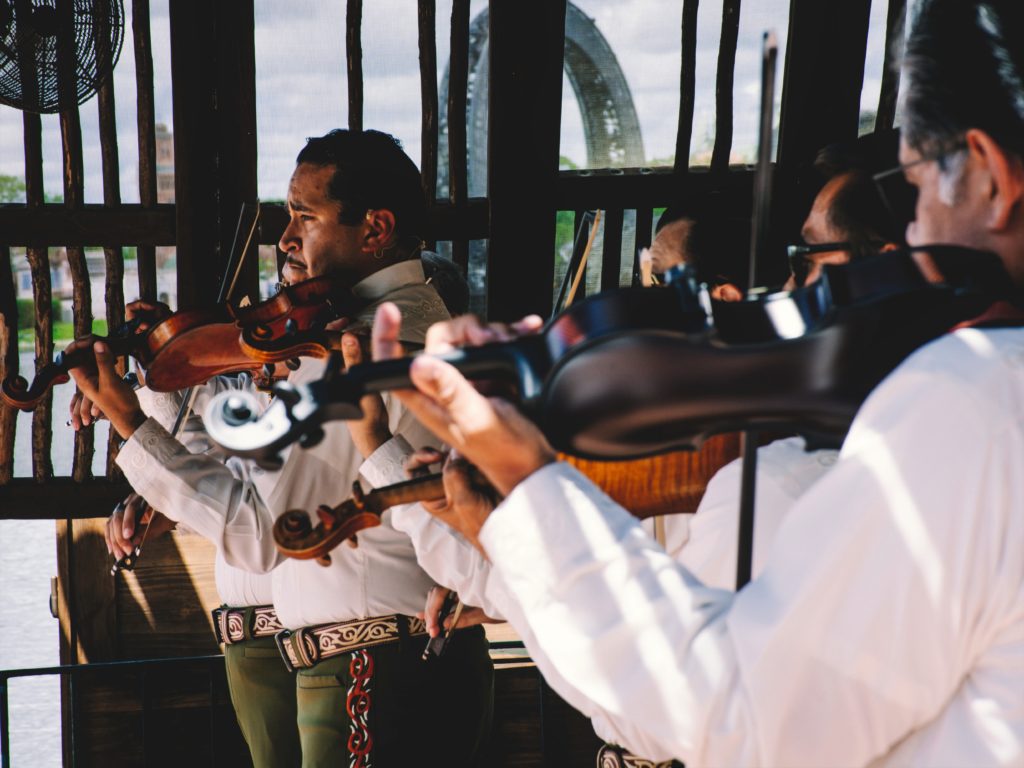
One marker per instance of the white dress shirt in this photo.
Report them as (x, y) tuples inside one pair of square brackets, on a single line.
[(234, 503), (706, 542), (887, 627), (236, 587)]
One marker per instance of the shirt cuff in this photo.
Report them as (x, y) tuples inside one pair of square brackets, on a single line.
[(150, 447), (552, 524), (386, 465)]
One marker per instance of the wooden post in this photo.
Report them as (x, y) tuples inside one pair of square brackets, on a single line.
[(687, 86), (8, 361), (427, 20), (724, 85), (354, 62), (523, 141), (213, 66), (145, 254), (888, 97), (112, 259)]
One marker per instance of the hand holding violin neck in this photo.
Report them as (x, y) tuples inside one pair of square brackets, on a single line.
[(18, 393), (234, 422)]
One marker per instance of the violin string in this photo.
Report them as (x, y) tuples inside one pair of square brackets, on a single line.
[(238, 257), (226, 295)]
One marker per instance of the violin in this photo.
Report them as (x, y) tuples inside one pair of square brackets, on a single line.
[(191, 346), (631, 372), (296, 536)]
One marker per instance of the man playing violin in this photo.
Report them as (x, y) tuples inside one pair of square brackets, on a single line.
[(699, 234), (849, 219), (356, 210), (887, 627)]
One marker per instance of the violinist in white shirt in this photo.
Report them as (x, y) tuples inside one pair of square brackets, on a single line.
[(887, 626), (350, 636)]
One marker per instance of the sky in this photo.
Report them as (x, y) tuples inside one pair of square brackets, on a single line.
[(301, 88)]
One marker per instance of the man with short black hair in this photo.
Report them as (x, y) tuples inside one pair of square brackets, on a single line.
[(887, 627), (356, 210)]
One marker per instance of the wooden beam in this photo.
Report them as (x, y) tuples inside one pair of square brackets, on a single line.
[(39, 264), (611, 256), (146, 252), (8, 362), (523, 142), (687, 86), (195, 43), (90, 225), (236, 129), (427, 21), (646, 187), (59, 498), (81, 286), (354, 62), (458, 89), (888, 97), (112, 259), (724, 85), (824, 76)]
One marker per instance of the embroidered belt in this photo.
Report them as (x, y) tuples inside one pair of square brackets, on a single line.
[(610, 756), (305, 647), (233, 625)]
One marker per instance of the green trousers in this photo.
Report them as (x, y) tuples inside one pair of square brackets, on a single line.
[(435, 712), (263, 695)]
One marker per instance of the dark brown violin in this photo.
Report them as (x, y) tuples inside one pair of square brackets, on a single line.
[(633, 372)]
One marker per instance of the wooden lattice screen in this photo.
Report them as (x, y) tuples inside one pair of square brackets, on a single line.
[(214, 117), (215, 150)]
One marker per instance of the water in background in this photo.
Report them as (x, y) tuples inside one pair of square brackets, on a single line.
[(28, 559)]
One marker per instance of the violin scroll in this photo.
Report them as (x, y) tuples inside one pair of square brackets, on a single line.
[(296, 536), (18, 393)]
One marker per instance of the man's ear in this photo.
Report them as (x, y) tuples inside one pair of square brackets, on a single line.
[(1004, 178), (380, 229)]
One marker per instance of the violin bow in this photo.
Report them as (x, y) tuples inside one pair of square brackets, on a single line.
[(759, 231), (227, 288), (587, 219), (582, 268)]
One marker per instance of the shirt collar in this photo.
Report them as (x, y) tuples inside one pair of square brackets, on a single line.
[(384, 281)]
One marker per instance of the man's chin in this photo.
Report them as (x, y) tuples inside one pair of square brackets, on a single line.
[(291, 274)]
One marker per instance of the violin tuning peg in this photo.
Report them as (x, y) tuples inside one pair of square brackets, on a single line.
[(324, 560), (291, 327), (268, 370), (311, 438), (293, 364)]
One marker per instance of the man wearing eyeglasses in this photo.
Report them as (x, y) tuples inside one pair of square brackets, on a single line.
[(887, 627), (853, 215)]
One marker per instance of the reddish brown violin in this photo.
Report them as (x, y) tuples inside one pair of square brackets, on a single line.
[(684, 477), (191, 346)]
